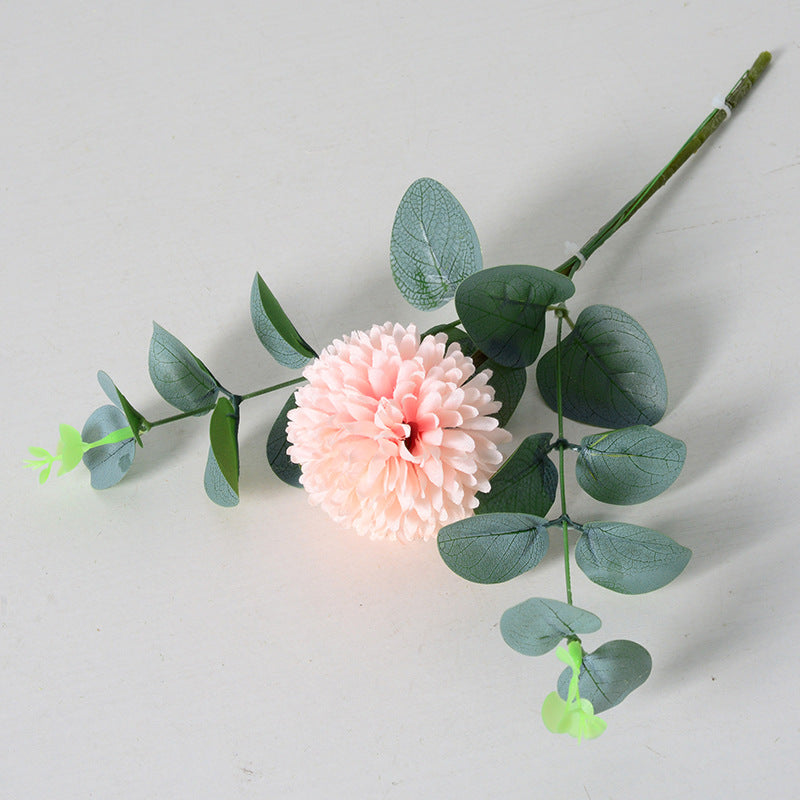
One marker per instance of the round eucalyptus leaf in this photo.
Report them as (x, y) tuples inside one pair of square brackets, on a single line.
[(274, 329), (434, 245), (526, 482), (611, 374), (629, 465), (609, 674), (492, 548), (628, 558), (503, 310), (536, 626), (108, 463), (178, 375)]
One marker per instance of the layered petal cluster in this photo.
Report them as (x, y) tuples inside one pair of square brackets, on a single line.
[(393, 434)]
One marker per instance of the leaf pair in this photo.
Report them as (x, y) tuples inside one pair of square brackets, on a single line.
[(185, 382)]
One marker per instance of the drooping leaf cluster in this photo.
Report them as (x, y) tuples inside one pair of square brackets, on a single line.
[(605, 373)]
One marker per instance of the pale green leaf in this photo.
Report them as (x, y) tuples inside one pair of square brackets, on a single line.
[(107, 463), (628, 558), (274, 329), (629, 465), (536, 626), (491, 548), (433, 247), (134, 418), (178, 375), (609, 674)]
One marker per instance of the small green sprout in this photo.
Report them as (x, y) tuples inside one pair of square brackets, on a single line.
[(70, 450), (574, 715)]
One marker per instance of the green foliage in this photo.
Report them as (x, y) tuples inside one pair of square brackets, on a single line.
[(178, 375), (108, 463), (536, 626), (275, 330), (503, 310), (136, 421), (509, 386), (433, 247), (629, 465), (491, 548), (611, 373), (222, 468), (628, 558), (281, 464), (609, 674), (527, 481)]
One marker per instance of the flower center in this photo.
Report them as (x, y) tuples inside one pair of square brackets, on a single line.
[(413, 434)]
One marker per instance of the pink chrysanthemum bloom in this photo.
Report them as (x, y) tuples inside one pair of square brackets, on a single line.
[(392, 440)]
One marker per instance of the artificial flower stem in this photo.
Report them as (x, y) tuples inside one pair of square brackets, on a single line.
[(691, 146), (560, 312), (240, 398)]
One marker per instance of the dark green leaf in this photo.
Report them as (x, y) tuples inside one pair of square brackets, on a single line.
[(281, 464), (503, 310), (536, 626), (527, 481), (275, 330), (609, 674), (222, 468), (135, 419), (627, 558), (434, 246), (629, 465), (178, 375), (491, 548), (509, 386), (611, 373), (108, 463)]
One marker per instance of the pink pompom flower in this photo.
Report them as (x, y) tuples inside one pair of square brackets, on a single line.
[(393, 434)]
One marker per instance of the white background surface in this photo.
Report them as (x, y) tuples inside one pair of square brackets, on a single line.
[(154, 156)]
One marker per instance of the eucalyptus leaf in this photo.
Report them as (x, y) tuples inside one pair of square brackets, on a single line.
[(509, 386), (503, 310), (629, 465), (609, 674), (536, 626), (491, 548), (275, 330), (108, 463), (611, 373), (525, 483), (222, 468), (628, 558), (178, 375), (434, 245), (281, 464), (134, 418)]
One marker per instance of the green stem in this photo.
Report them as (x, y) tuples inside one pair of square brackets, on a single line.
[(559, 408), (241, 398), (691, 146)]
